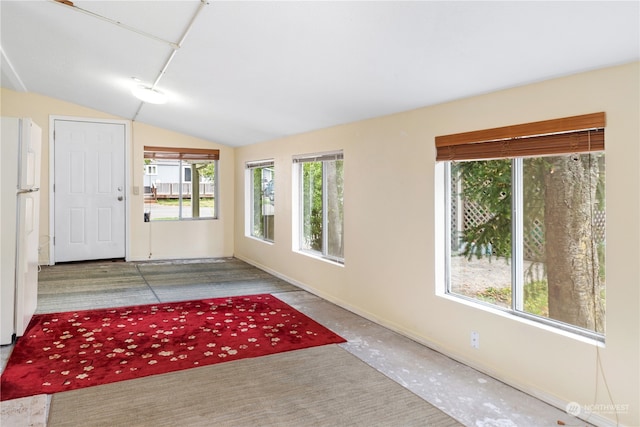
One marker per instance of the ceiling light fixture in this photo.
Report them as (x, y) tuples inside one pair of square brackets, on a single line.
[(149, 94)]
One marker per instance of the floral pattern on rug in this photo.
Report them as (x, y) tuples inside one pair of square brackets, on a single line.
[(66, 351)]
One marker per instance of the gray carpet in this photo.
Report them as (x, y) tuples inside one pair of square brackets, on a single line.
[(320, 386), (102, 284)]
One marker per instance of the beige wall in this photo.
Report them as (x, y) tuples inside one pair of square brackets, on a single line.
[(154, 240), (393, 238)]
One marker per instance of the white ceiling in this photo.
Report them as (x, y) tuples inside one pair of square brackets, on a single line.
[(253, 71)]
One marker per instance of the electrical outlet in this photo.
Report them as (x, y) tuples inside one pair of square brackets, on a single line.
[(475, 339)]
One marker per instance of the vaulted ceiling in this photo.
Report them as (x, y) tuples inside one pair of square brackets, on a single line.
[(239, 72)]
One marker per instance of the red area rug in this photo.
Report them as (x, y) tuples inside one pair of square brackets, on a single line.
[(67, 351)]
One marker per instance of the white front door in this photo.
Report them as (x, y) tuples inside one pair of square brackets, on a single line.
[(89, 190)]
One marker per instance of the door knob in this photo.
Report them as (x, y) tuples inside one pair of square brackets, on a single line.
[(120, 198)]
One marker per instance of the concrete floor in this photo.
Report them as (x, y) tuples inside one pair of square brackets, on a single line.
[(467, 395)]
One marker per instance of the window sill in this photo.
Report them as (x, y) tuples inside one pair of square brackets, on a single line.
[(258, 239), (524, 319), (319, 257)]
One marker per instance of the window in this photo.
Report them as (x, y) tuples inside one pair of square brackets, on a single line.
[(261, 201), (525, 220), (150, 169), (171, 194), (320, 208)]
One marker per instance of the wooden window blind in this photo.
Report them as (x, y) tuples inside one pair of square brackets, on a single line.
[(577, 134), (194, 154), (259, 164), (319, 157)]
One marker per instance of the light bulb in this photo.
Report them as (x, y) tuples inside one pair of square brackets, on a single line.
[(150, 95)]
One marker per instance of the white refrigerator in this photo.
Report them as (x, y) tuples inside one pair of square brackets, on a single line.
[(20, 158)]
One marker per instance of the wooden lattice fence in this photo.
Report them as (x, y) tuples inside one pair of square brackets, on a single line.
[(467, 214)]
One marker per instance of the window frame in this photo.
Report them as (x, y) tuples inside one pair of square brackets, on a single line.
[(250, 167), (298, 223), (497, 143), (185, 156), (516, 259)]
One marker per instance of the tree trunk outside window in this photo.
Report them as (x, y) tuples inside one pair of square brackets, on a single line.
[(575, 288)]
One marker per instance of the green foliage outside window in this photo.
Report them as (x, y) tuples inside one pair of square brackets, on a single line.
[(312, 205), (322, 207), (263, 200)]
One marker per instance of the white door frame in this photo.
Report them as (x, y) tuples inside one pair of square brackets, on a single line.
[(127, 177)]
